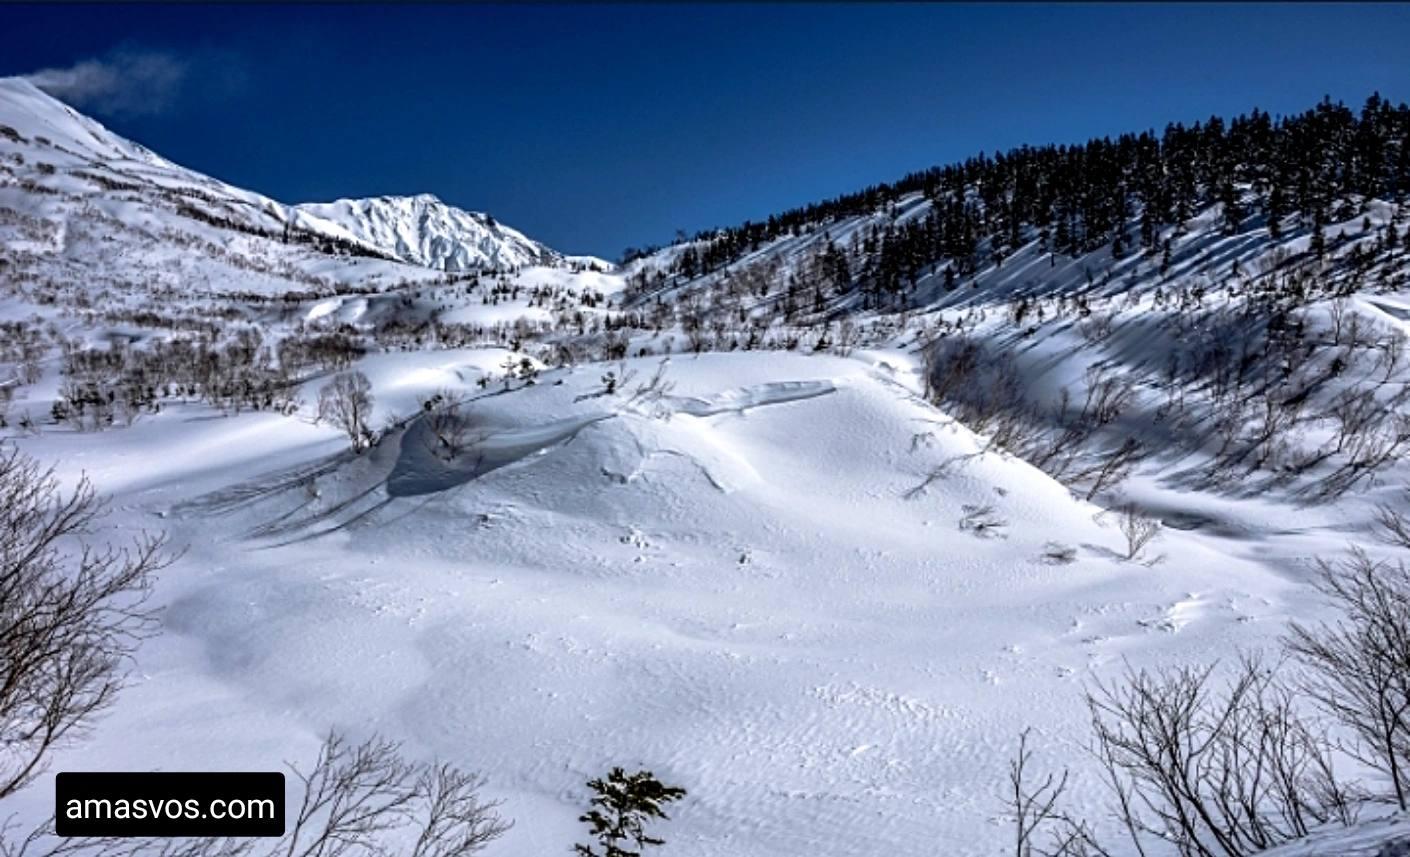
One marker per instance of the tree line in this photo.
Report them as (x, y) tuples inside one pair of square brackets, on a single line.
[(1301, 171)]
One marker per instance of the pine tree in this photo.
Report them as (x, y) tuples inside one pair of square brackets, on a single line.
[(1321, 166), (1277, 208), (622, 806), (1233, 209), (1319, 240)]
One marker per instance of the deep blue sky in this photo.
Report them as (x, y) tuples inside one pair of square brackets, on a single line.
[(595, 127)]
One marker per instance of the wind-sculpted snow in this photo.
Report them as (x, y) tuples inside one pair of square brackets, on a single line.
[(1393, 309), (738, 401), (739, 588), (420, 471), (421, 465), (1381, 834)]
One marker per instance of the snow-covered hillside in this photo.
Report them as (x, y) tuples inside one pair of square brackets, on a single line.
[(819, 560), (67, 180), (424, 231)]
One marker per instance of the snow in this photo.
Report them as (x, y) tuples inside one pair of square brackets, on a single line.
[(67, 184), (422, 230), (746, 579), (1379, 835), (739, 597)]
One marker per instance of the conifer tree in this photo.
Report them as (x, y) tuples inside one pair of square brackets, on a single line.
[(620, 809)]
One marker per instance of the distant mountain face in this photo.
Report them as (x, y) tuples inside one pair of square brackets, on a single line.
[(68, 185), (424, 231)]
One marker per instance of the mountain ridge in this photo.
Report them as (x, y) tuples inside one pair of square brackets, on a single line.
[(42, 126), (424, 230)]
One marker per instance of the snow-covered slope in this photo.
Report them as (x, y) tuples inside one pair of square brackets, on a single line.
[(1203, 254), (68, 151), (737, 588), (781, 577), (76, 197), (1383, 835), (423, 230), (81, 205)]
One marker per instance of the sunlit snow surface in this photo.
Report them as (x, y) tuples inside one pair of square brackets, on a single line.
[(740, 585), (742, 600)]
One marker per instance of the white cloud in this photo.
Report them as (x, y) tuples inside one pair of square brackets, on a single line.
[(125, 81)]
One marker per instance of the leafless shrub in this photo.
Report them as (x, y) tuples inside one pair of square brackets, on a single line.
[(698, 337), (1018, 430), (1356, 336), (849, 336), (346, 402), (1358, 669), (1390, 355), (1111, 468), (1056, 553), (1036, 809), (1354, 412), (649, 397), (1138, 530), (1108, 395), (70, 614), (1213, 772), (1394, 525), (983, 389), (356, 794), (941, 471), (449, 428), (982, 521), (1057, 455), (365, 799), (32, 365), (121, 382), (1366, 453), (978, 386), (613, 380), (1336, 316), (1229, 417), (1097, 327), (1259, 432), (1231, 770), (329, 352), (1032, 807)]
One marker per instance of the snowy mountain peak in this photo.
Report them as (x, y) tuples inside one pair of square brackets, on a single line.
[(425, 231), (28, 112), (420, 230)]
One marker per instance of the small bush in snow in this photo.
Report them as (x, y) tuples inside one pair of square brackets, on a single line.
[(982, 521), (1056, 553), (1228, 770), (1359, 668), (1394, 526), (363, 799), (621, 805), (449, 428), (346, 402), (1138, 530), (649, 397), (71, 614)]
